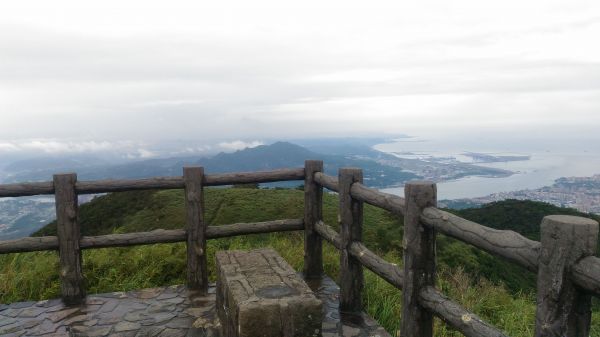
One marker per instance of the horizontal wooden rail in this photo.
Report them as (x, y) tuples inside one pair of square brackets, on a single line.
[(254, 177), (26, 189), (29, 244), (105, 186), (386, 270), (329, 234), (456, 316), (32, 244), (223, 231), (508, 244), (329, 182), (133, 239), (586, 274), (389, 202)]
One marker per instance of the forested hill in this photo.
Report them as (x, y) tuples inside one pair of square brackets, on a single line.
[(517, 215), (148, 210)]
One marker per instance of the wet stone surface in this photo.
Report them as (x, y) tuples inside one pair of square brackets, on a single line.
[(167, 311)]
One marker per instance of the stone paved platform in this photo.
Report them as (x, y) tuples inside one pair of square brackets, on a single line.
[(168, 311)]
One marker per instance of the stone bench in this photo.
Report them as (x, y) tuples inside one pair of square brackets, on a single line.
[(260, 295)]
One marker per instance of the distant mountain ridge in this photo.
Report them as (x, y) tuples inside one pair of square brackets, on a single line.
[(264, 157)]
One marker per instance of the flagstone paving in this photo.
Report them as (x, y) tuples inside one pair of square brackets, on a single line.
[(165, 311)]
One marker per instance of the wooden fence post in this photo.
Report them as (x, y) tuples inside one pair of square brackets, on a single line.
[(563, 309), (351, 219), (419, 259), (313, 212), (67, 229), (197, 271)]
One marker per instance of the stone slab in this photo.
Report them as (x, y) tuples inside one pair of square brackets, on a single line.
[(260, 295)]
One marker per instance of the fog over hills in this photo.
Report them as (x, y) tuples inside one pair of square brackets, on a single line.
[(380, 169)]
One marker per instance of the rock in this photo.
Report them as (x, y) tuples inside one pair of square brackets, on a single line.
[(260, 295)]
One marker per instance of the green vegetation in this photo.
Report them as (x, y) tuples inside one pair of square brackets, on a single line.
[(496, 290)]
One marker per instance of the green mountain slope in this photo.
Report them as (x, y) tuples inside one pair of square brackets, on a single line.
[(148, 210), (522, 216)]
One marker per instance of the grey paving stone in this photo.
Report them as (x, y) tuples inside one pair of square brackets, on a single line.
[(96, 331), (4, 321), (11, 312), (178, 312), (168, 332), (127, 326), (19, 305), (10, 328), (151, 331), (31, 312), (62, 314)]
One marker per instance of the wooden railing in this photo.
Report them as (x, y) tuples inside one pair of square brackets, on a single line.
[(568, 272)]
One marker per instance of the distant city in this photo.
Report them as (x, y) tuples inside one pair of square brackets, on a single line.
[(581, 193)]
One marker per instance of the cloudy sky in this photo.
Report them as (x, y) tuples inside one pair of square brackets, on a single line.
[(121, 72)]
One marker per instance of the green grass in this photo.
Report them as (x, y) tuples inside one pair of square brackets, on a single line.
[(34, 276)]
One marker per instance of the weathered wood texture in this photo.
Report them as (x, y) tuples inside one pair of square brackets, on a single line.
[(106, 186), (134, 239), (329, 182), (504, 243), (386, 270), (197, 270), (26, 189), (102, 186), (313, 212), (389, 202), (562, 309), (152, 237), (224, 231), (586, 274), (27, 244), (329, 234), (351, 219), (456, 316), (67, 227), (419, 259), (254, 177)]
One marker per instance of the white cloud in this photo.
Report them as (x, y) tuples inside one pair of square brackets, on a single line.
[(54, 146), (143, 153), (8, 147), (239, 145)]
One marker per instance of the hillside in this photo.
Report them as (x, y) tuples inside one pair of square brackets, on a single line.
[(520, 216), (148, 210), (464, 272)]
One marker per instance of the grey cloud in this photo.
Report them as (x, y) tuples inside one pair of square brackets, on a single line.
[(202, 86)]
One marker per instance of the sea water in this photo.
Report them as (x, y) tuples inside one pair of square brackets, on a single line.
[(541, 169)]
